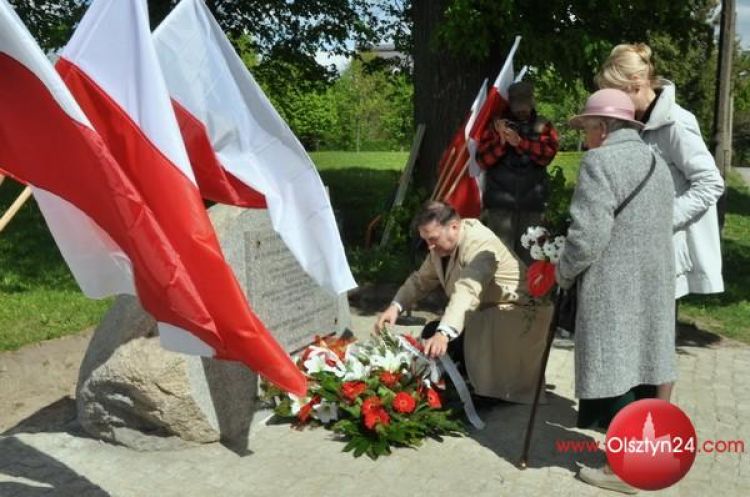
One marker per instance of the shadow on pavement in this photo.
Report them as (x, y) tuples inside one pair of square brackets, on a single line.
[(688, 335), (35, 474), (506, 429), (58, 417)]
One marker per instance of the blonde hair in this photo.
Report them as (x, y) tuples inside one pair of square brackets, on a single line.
[(625, 65)]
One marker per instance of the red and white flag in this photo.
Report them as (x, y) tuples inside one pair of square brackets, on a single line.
[(111, 176), (495, 102), (219, 103), (459, 176)]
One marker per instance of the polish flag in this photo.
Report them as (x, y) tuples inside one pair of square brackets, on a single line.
[(459, 176), (494, 103), (231, 129), (111, 68)]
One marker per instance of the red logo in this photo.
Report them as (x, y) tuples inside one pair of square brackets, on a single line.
[(651, 444)]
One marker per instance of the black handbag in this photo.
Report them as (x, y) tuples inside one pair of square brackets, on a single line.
[(567, 300)]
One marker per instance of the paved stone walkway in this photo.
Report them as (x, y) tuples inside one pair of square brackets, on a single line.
[(713, 389)]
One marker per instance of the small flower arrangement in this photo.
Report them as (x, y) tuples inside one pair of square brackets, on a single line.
[(545, 249), (378, 393)]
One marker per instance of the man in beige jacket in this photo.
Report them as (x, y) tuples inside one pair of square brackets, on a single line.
[(504, 329)]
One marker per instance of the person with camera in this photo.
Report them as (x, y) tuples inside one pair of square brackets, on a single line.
[(514, 152)]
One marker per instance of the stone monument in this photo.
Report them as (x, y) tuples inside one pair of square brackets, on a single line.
[(132, 392)]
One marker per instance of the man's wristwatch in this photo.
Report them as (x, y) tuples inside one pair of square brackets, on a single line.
[(447, 332)]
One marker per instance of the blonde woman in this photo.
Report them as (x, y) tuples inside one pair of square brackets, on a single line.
[(674, 133)]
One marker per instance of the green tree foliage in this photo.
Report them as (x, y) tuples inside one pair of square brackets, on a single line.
[(306, 105), (558, 101), (695, 88), (374, 109), (50, 21), (458, 43), (571, 36), (741, 128)]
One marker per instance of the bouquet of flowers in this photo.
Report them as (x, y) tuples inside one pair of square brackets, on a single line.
[(378, 393), (545, 250)]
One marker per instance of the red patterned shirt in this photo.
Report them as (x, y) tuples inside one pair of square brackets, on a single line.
[(541, 150)]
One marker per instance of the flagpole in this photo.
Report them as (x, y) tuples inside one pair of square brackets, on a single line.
[(15, 207), (457, 180), (443, 174), (454, 177), (450, 170)]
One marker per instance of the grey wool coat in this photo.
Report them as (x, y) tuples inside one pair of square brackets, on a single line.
[(625, 265)]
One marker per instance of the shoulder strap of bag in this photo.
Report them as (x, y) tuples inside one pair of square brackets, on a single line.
[(639, 187)]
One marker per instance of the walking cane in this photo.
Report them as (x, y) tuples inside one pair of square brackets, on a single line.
[(540, 382)]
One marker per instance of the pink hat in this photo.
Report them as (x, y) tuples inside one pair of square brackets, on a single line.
[(607, 103)]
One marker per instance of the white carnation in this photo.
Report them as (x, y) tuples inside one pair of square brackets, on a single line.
[(526, 241), (537, 253), (549, 249), (555, 258), (538, 232)]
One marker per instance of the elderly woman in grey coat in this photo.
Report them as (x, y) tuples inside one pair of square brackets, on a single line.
[(624, 265)]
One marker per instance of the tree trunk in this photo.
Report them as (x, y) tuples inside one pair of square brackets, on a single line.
[(445, 86)]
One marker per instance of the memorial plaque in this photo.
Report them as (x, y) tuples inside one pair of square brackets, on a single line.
[(291, 305)]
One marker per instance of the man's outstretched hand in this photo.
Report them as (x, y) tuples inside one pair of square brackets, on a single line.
[(388, 316), (436, 346)]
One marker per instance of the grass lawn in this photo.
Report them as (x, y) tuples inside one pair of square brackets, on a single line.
[(728, 313), (39, 298), (362, 186)]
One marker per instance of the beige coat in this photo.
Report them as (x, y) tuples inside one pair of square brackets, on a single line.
[(505, 329)]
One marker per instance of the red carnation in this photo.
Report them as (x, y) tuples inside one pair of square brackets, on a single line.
[(383, 416), (353, 389), (389, 379), (371, 404), (404, 403), (433, 399), (371, 419), (540, 278), (376, 416)]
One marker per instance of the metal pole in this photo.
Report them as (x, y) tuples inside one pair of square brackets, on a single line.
[(723, 135), (722, 104)]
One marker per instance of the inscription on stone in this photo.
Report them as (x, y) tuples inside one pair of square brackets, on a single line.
[(288, 301)]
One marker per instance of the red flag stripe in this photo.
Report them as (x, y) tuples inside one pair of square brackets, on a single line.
[(73, 159), (215, 182), (177, 204), (494, 105), (465, 197)]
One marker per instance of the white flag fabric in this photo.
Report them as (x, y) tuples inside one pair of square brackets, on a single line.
[(207, 80), (111, 68), (506, 75), (474, 170), (105, 230)]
